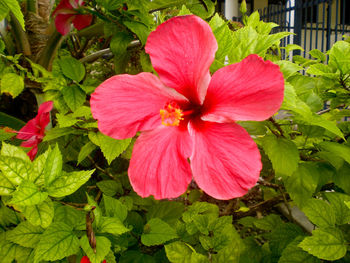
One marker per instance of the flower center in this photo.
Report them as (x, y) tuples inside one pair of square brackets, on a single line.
[(171, 114)]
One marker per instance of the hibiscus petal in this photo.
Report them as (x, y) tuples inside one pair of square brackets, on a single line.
[(182, 50), (43, 117), (159, 165), (82, 21), (126, 104), (64, 4), (63, 23), (249, 90), (29, 130), (32, 153), (225, 161)]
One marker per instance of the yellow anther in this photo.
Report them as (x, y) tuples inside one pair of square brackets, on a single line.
[(171, 115)]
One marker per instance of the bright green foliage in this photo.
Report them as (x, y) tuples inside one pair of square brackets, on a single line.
[(75, 198), (283, 154), (41, 214), (320, 212), (103, 245), (14, 7), (111, 148), (58, 241), (25, 235), (325, 243)]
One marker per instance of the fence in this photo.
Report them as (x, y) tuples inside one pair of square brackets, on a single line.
[(317, 24)]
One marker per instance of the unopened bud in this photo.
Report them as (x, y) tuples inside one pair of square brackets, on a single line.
[(243, 7)]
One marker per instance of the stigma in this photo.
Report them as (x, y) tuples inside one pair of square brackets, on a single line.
[(171, 115)]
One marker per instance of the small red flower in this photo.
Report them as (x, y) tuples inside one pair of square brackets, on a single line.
[(85, 259), (67, 13), (33, 132), (187, 114)]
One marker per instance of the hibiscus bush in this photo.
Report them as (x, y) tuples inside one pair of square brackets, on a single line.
[(157, 131)]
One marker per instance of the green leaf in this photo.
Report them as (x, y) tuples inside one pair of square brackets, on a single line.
[(37, 176), (13, 151), (269, 222), (68, 183), (111, 148), (339, 57), (41, 214), (112, 225), (65, 120), (302, 183), (319, 212), (157, 232), (59, 132), (15, 8), (8, 250), (120, 42), (70, 216), (57, 242), (12, 84), (4, 136), (204, 9), (103, 246), (282, 235), (3, 10), (132, 256), (288, 68), (115, 208), (338, 203), (28, 194), (223, 36), (74, 96), (8, 216), (6, 186), (319, 70), (14, 169), (293, 254), (110, 187), (72, 68), (140, 29), (53, 166), (337, 149), (85, 151), (285, 163), (110, 4), (25, 234), (178, 252), (325, 243), (168, 211), (318, 54)]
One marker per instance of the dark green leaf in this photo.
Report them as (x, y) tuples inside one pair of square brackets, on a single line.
[(157, 232)]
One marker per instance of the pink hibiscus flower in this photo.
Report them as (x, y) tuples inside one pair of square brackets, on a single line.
[(33, 132), (188, 114), (67, 12)]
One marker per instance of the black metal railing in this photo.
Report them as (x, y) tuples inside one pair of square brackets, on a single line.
[(317, 24)]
